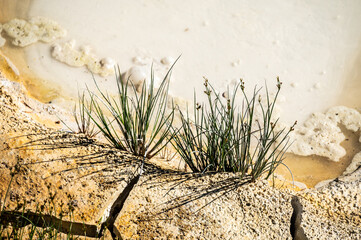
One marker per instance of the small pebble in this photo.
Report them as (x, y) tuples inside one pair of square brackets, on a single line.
[(167, 61), (139, 61), (86, 49), (294, 84), (236, 63), (137, 75), (107, 63), (317, 85)]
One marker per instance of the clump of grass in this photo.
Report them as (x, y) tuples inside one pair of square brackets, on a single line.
[(224, 137), (139, 122), (81, 113)]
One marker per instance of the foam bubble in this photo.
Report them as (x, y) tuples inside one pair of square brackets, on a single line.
[(321, 134), (139, 61), (137, 75), (67, 53)]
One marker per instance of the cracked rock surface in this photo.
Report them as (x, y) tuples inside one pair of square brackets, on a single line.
[(333, 211), (66, 171), (86, 176), (208, 207)]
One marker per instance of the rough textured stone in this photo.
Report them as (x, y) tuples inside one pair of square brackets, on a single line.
[(55, 167), (205, 207), (60, 172), (333, 211)]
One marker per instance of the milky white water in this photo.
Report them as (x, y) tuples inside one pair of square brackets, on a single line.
[(314, 46), (310, 45)]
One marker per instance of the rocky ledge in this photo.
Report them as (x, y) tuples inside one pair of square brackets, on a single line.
[(93, 186)]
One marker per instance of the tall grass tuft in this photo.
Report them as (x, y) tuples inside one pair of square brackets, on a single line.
[(135, 122), (81, 113), (225, 137)]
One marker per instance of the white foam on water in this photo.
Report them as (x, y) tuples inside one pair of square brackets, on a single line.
[(36, 29)]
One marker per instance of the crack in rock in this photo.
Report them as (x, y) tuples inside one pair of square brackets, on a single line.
[(296, 229), (116, 208), (23, 219)]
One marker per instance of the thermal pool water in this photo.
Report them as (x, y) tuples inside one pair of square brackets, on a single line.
[(314, 47)]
